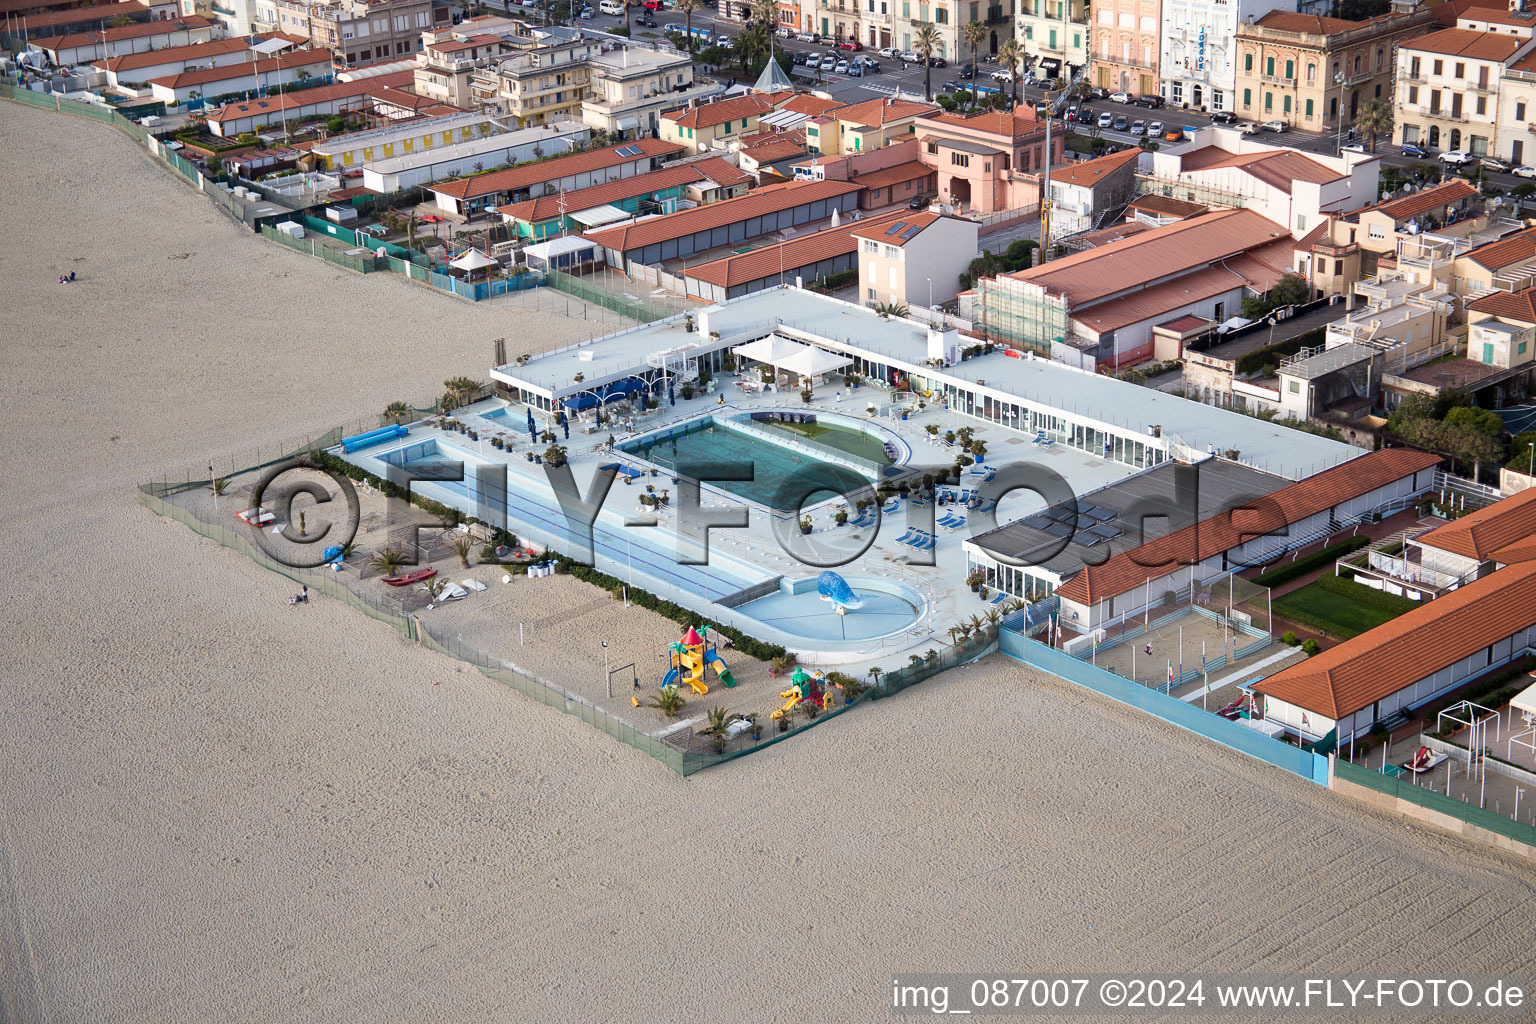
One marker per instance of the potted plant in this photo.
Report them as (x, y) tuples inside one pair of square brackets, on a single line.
[(870, 410), (976, 578), (805, 396), (841, 518), (687, 390), (688, 323), (783, 721), (805, 524), (949, 436), (979, 451)]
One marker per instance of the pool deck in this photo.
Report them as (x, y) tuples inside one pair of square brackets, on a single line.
[(738, 559)]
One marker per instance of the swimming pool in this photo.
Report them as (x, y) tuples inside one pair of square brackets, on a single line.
[(783, 479), (858, 443), (889, 607)]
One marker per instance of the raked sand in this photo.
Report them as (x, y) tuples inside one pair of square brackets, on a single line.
[(216, 807)]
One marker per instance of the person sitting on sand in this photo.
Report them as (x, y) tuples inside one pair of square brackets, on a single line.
[(1149, 648)]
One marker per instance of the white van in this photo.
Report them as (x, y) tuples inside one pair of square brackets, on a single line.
[(611, 7)]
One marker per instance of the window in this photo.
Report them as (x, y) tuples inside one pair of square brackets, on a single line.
[(1247, 62), (1269, 102), (871, 246), (1482, 105), (1311, 72), (1247, 98), (1381, 56), (1269, 67), (1106, 16), (1286, 106), (871, 291), (1520, 111), (959, 159), (1461, 70), (1413, 94), (1309, 110), (1290, 70), (1295, 387), (892, 253), (1439, 67)]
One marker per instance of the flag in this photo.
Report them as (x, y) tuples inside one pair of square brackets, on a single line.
[(1170, 673)]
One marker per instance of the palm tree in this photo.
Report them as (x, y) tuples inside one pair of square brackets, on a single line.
[(753, 43), (1011, 55), (974, 33), (1375, 118), (434, 587), (399, 412), (217, 485), (688, 7), (462, 547), (120, 21), (766, 13), (924, 43), (875, 673), (462, 389), (388, 561), (669, 701)]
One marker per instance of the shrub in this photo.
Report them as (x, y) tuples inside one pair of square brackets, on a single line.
[(1289, 638), (1311, 647), (1368, 596)]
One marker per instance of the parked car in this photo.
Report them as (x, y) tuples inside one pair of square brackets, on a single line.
[(1098, 94), (841, 67), (938, 62), (1223, 117), (1086, 115), (918, 204), (889, 52), (813, 59), (1151, 100), (951, 86), (806, 37), (1275, 126), (586, 14), (910, 57), (1415, 150), (1121, 123), (798, 58), (1120, 97), (1138, 128), (1248, 128), (1105, 120), (645, 21), (782, 33), (653, 5), (1154, 129), (968, 70), (850, 44), (1524, 171), (1002, 75), (828, 63), (1455, 157), (723, 41), (871, 66), (612, 7), (1174, 133), (1493, 163), (856, 70)]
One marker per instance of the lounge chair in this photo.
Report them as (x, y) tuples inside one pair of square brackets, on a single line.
[(954, 524), (909, 536), (998, 599), (927, 542), (947, 518)]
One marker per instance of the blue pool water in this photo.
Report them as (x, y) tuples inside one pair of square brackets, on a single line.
[(782, 479), (889, 607)]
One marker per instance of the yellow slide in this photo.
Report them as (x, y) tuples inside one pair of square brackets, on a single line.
[(691, 669)]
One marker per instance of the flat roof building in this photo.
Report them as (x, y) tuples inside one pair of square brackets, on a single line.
[(467, 197), (424, 166)]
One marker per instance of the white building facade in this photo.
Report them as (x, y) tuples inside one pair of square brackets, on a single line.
[(1198, 59)]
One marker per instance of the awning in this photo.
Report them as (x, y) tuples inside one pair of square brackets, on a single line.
[(773, 349), (627, 124), (474, 259), (814, 362), (1050, 63)]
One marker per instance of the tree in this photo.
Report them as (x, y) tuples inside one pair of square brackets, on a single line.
[(1290, 290), (752, 46), (1011, 56), (1375, 118), (1522, 453), (388, 561), (120, 21), (924, 43), (1474, 418), (398, 412), (974, 34), (688, 7)]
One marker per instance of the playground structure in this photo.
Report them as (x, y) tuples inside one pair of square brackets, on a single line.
[(691, 660), (835, 590), (804, 686)]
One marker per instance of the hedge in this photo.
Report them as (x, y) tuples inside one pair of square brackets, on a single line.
[(1368, 596), (1253, 362), (1308, 563), (748, 645)]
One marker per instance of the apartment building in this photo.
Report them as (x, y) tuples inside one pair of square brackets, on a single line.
[(916, 259), (1054, 35), (699, 128), (1126, 46), (1305, 69), (1448, 87), (986, 162), (948, 17), (862, 127), (1198, 60), (356, 31), (447, 61), (632, 86), (541, 85)]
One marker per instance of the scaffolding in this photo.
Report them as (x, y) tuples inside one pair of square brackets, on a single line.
[(1021, 313)]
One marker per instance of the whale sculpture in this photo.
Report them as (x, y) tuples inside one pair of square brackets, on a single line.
[(835, 590)]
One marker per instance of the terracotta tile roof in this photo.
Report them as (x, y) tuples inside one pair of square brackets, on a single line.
[(1482, 533), (81, 15), (789, 256), (708, 115), (1305, 242), (1187, 322), (897, 231), (1167, 206), (878, 112), (545, 208), (895, 175), (811, 106), (115, 35), (275, 105), (1416, 203), (1464, 42), (993, 122), (282, 62), (1451, 373), (1519, 305), (768, 147), (396, 96), (1416, 644), (1127, 570), (1451, 11), (721, 171), (771, 199), (1510, 249), (514, 178), (1088, 173), (1158, 300), (1276, 168), (1183, 245), (1290, 21), (1114, 233), (173, 54)]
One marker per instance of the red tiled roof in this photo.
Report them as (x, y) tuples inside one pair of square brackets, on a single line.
[(1088, 173), (811, 106), (282, 62), (1276, 168), (993, 122), (1519, 305), (1465, 42), (897, 234), (1510, 249), (1290, 21), (1357, 673), (275, 105), (1167, 206), (1127, 570), (190, 54), (708, 115), (1159, 300), (1416, 203), (771, 199), (880, 111), (1481, 534), (721, 171), (895, 174), (549, 207), (116, 35), (81, 15), (789, 256), (515, 178)]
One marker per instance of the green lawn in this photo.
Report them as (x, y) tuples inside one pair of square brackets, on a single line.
[(1332, 613)]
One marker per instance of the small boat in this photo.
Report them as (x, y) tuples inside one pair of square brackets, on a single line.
[(411, 577)]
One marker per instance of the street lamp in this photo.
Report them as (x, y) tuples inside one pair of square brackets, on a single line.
[(1532, 446), (1338, 142)]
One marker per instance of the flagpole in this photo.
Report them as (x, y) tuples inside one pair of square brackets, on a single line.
[(1205, 672), (1181, 654)]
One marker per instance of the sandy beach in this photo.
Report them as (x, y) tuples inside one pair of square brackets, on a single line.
[(220, 807)]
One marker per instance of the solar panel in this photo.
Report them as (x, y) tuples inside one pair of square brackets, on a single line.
[(1038, 522), (1099, 512), (1087, 540), (1105, 532), (1059, 514), (628, 151), (895, 227), (914, 229), (1057, 530)]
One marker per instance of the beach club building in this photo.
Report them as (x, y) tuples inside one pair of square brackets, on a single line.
[(688, 233), (424, 166), (381, 93), (354, 149), (575, 212), (1408, 661), (139, 68), (469, 197), (1247, 533), (84, 47), (256, 76)]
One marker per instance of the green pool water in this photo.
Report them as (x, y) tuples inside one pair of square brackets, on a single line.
[(844, 439)]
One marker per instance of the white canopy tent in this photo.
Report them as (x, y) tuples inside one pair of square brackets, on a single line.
[(814, 362), (772, 350), (473, 260), (792, 357)]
